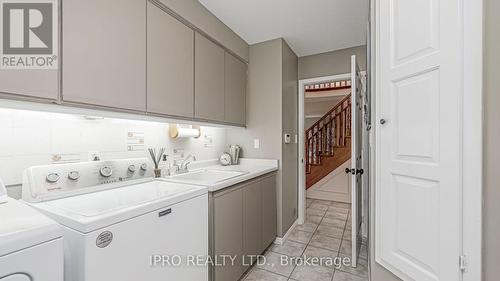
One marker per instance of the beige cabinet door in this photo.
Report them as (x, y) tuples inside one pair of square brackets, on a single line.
[(228, 233), (252, 221), (43, 83), (235, 90), (104, 53), (269, 211), (208, 80), (170, 64)]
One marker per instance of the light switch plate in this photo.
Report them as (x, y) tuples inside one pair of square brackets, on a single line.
[(256, 143)]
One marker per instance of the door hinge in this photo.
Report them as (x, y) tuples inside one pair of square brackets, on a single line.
[(463, 263)]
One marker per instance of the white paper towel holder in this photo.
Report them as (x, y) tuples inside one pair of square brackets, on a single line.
[(181, 132)]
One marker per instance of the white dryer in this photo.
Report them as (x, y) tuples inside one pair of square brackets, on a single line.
[(31, 244)]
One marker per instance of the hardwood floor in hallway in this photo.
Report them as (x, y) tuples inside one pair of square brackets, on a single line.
[(325, 234)]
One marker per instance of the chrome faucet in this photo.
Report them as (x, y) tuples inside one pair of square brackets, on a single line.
[(183, 167)]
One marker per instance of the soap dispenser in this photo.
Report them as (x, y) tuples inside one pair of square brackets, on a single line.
[(3, 193)]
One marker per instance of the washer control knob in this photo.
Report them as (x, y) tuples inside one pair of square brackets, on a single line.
[(52, 177), (144, 166), (106, 171), (74, 175), (131, 168)]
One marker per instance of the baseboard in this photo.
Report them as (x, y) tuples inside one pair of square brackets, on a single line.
[(281, 240)]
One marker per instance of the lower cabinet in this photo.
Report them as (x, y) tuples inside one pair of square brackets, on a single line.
[(269, 221), (243, 224), (228, 233), (252, 221)]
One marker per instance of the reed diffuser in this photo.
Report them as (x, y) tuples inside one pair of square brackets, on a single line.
[(156, 160)]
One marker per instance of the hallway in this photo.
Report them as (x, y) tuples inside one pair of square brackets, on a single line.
[(326, 233)]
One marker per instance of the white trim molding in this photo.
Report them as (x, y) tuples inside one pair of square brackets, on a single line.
[(281, 240), (301, 115), (472, 146)]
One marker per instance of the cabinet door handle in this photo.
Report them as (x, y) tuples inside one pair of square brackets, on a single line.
[(165, 212)]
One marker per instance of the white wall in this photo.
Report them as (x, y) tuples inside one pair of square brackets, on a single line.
[(30, 138)]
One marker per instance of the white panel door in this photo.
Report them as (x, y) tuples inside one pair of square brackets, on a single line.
[(356, 161), (419, 68)]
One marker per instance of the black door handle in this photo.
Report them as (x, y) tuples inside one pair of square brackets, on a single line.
[(360, 171), (350, 171)]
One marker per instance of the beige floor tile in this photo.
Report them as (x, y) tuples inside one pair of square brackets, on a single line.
[(322, 202), (340, 204), (348, 224), (300, 236), (273, 264), (313, 219), (338, 210), (289, 248), (346, 247), (308, 202), (263, 275), (325, 242), (333, 222), (335, 215), (360, 270), (318, 206), (347, 234), (330, 231), (307, 226), (312, 273), (344, 276), (314, 212), (316, 252), (363, 253)]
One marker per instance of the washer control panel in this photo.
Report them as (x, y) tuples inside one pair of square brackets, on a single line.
[(49, 182), (106, 171)]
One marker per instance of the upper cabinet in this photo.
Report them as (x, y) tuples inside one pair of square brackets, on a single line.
[(208, 80), (40, 83), (104, 53), (235, 90), (137, 56), (170, 65)]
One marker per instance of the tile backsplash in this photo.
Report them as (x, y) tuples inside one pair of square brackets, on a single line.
[(30, 138)]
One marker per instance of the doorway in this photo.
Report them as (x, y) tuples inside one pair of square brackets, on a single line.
[(330, 182)]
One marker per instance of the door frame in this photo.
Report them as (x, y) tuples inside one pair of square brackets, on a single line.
[(472, 137), (301, 137)]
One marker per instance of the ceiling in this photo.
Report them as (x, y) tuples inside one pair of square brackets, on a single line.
[(308, 26)]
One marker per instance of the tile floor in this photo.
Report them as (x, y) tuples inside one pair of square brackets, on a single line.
[(326, 233)]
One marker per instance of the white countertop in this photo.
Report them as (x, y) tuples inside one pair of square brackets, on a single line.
[(251, 168)]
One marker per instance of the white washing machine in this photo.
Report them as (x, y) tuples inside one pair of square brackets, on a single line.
[(117, 220), (31, 244)]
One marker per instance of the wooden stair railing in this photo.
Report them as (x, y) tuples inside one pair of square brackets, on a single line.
[(328, 133)]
